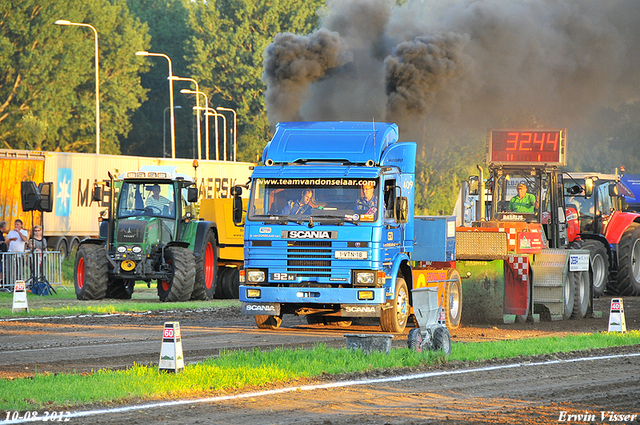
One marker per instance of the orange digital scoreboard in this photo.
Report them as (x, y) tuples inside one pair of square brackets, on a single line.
[(527, 147)]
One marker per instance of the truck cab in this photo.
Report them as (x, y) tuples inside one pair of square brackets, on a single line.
[(329, 225)]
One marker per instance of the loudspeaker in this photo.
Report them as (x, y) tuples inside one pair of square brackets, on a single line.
[(30, 196), (46, 204)]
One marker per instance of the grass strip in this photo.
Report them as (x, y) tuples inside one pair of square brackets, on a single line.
[(234, 370)]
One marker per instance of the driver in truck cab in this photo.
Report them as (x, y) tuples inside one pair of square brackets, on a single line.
[(301, 206), (523, 202), (368, 203), (156, 200)]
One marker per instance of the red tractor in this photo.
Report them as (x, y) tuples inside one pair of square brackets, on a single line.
[(611, 234)]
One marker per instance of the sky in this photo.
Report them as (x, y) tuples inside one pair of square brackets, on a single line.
[(454, 64)]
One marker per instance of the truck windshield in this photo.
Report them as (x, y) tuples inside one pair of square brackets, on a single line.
[(148, 198), (355, 200)]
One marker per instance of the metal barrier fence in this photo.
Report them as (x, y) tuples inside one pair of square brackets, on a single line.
[(31, 267)]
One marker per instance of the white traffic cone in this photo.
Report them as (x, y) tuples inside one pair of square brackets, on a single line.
[(616, 316), (20, 296), (171, 358)]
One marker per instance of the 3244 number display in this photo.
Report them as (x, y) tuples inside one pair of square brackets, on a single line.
[(527, 147)]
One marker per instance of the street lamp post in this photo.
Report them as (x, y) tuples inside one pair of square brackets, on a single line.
[(95, 32), (212, 112), (206, 117), (235, 140), (173, 120), (164, 129), (198, 106)]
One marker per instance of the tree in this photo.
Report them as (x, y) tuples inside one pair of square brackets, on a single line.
[(167, 21), (47, 92), (226, 56)]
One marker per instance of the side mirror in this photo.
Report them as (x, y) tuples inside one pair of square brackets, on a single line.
[(97, 193), (473, 185), (588, 187), (402, 209), (236, 191), (192, 194), (613, 190)]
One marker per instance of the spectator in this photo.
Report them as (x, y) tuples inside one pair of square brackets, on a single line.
[(37, 243), (3, 246), (17, 238)]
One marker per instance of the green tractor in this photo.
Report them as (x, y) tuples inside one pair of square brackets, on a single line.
[(151, 233)]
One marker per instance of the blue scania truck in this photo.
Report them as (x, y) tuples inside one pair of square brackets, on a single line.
[(330, 231)]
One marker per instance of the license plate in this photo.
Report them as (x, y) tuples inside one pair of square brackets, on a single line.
[(351, 255)]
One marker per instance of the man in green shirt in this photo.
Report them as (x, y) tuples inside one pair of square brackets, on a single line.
[(524, 202)]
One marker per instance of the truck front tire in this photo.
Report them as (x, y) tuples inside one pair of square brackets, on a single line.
[(268, 322), (453, 299), (90, 272), (394, 319)]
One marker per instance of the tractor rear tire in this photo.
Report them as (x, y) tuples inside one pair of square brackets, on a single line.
[(453, 300), (581, 295), (90, 272), (628, 279), (599, 265), (268, 322), (394, 319), (179, 286), (206, 268)]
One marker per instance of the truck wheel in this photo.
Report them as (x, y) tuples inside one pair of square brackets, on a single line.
[(599, 265), (180, 285), (90, 272), (581, 295), (394, 319), (569, 294), (227, 282), (268, 322), (219, 292), (206, 267), (441, 340), (415, 340), (120, 289), (628, 281), (453, 299)]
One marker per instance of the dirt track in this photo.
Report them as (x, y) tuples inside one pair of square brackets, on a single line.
[(530, 395)]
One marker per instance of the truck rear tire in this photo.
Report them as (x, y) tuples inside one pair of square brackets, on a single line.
[(268, 322), (569, 294), (628, 279), (394, 319), (180, 285), (599, 265), (581, 295), (206, 268), (453, 300), (90, 272)]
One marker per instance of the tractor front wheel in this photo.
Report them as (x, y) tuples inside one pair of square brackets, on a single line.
[(179, 285)]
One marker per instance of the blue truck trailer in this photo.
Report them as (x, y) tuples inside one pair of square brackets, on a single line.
[(330, 231)]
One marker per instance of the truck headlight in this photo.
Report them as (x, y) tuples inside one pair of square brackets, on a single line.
[(365, 278), (255, 276)]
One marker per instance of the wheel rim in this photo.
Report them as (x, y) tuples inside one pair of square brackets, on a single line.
[(454, 301), (209, 266), (80, 272), (635, 260), (581, 287), (598, 271), (402, 307)]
